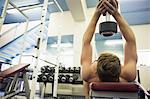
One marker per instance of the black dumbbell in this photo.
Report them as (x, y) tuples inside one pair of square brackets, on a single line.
[(61, 69), (73, 78), (50, 69), (43, 69), (44, 77), (71, 69), (66, 70), (50, 77), (77, 69), (63, 78)]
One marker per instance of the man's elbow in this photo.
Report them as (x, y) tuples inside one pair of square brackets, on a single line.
[(131, 78)]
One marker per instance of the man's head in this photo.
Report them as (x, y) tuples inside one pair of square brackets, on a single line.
[(108, 67)]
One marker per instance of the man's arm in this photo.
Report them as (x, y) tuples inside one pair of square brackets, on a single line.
[(130, 54), (86, 55), (129, 70)]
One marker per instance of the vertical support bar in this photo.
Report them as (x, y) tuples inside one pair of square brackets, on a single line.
[(43, 90), (39, 49), (2, 18), (26, 85), (57, 67)]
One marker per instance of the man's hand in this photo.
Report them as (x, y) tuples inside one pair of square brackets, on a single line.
[(111, 6), (100, 8)]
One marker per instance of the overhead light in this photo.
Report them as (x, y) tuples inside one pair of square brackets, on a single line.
[(113, 42), (61, 45)]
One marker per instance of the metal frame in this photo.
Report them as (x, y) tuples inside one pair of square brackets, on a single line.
[(57, 67), (25, 32), (2, 18), (39, 49), (58, 5)]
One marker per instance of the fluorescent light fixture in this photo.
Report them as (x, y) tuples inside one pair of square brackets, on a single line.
[(61, 45), (113, 42)]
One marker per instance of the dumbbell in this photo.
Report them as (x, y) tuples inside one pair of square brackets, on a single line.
[(107, 28), (66, 70), (77, 69), (50, 69), (44, 69), (63, 78), (47, 69), (42, 77), (61, 69), (73, 78), (50, 77), (71, 69)]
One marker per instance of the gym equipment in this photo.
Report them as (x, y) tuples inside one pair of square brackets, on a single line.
[(72, 79), (107, 28), (61, 69), (71, 69), (47, 69), (76, 69), (115, 90), (44, 77), (66, 70), (50, 78), (12, 87), (43, 69), (62, 78)]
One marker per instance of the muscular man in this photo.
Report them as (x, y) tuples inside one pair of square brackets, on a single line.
[(108, 68)]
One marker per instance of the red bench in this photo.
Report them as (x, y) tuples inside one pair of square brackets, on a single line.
[(13, 70), (115, 90)]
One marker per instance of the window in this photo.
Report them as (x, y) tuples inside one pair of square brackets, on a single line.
[(66, 49), (112, 44)]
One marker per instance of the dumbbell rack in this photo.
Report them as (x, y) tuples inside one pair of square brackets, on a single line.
[(63, 73)]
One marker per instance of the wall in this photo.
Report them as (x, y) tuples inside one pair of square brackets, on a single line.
[(142, 33)]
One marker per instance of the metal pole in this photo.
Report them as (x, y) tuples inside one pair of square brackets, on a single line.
[(58, 6), (18, 10), (2, 18), (57, 67), (34, 6), (39, 49)]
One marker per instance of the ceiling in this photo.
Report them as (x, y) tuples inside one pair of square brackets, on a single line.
[(135, 11)]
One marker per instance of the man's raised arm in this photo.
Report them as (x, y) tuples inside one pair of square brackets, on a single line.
[(86, 55), (130, 59)]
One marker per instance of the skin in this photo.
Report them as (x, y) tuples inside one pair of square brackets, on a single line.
[(128, 70)]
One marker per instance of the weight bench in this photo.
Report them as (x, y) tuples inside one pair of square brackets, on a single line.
[(18, 77), (113, 90)]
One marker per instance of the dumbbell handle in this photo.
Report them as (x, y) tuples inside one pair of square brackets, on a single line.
[(107, 16)]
